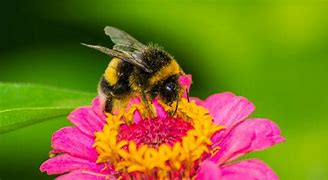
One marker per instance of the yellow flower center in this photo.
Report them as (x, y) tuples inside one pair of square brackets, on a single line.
[(163, 161)]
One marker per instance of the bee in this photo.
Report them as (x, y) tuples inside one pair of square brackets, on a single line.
[(136, 69)]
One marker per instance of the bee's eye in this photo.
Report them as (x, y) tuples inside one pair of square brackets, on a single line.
[(169, 92), (169, 87)]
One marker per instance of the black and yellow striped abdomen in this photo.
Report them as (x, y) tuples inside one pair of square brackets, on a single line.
[(114, 86)]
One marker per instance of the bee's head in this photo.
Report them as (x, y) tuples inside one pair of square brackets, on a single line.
[(169, 90), (172, 88)]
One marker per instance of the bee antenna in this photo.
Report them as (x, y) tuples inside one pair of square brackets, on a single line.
[(145, 101)]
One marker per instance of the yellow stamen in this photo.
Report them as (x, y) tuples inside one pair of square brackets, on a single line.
[(127, 157)]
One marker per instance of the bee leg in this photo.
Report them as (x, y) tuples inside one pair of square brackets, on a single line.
[(145, 100), (108, 105), (176, 108), (187, 92)]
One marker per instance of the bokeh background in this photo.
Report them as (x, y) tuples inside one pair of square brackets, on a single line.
[(273, 52)]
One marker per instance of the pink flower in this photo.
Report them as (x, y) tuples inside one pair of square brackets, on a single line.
[(201, 140)]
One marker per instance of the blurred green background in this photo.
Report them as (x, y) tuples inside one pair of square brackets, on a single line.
[(273, 52)]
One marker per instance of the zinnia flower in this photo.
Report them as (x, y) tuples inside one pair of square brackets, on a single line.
[(201, 140)]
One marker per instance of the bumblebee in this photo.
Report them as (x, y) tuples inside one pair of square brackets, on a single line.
[(137, 70)]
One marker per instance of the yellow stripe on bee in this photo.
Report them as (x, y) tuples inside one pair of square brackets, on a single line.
[(111, 74), (171, 69)]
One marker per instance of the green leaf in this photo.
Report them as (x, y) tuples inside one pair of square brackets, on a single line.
[(26, 104)]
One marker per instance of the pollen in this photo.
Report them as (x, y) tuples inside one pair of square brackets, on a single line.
[(162, 146)]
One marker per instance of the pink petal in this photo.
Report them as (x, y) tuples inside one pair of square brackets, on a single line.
[(65, 163), (208, 171), (250, 135), (72, 141), (252, 169), (185, 81), (137, 116), (228, 109), (160, 111), (98, 109), (198, 101), (216, 101), (84, 175), (86, 120), (133, 100)]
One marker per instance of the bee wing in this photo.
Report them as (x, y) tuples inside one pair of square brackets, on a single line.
[(123, 55), (122, 40)]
